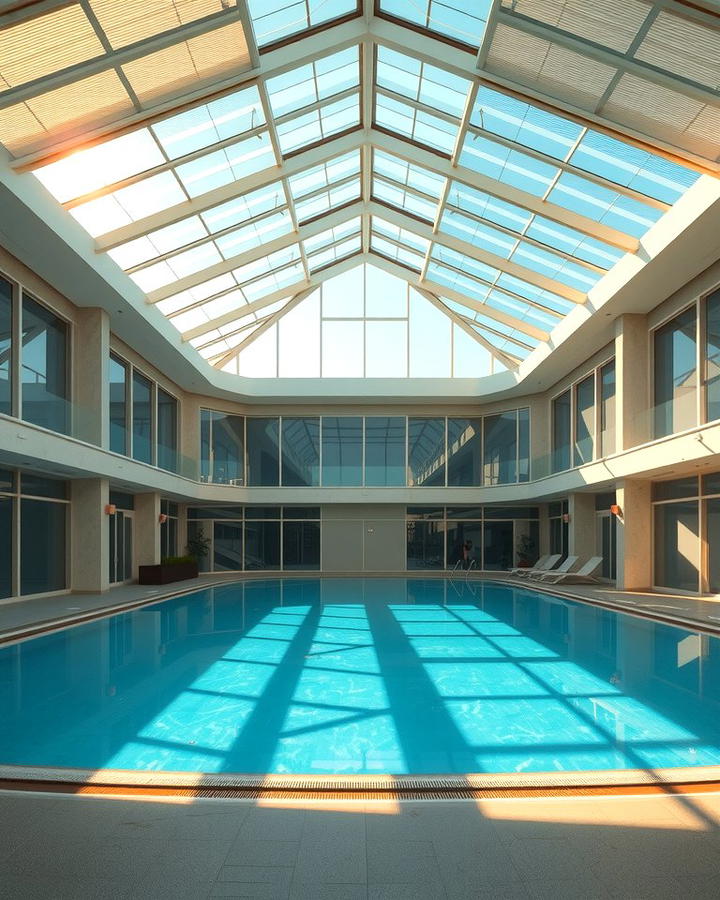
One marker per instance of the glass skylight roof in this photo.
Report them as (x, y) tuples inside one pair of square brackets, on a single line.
[(228, 203)]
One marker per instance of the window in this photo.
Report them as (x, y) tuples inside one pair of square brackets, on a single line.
[(561, 432), (44, 367), (385, 451), (607, 409), (222, 447), (142, 431), (118, 389), (263, 452), (675, 365), (500, 457), (464, 452), (426, 452), (300, 452), (342, 451), (169, 529), (6, 353), (584, 421), (712, 356), (167, 430)]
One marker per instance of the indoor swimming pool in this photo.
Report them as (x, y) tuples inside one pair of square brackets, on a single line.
[(352, 676)]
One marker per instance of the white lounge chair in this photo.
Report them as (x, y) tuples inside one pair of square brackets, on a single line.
[(565, 566), (545, 567), (538, 565), (584, 574)]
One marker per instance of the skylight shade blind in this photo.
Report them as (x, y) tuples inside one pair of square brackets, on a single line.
[(611, 23), (128, 21), (684, 48), (555, 70), (64, 112), (47, 44), (189, 65)]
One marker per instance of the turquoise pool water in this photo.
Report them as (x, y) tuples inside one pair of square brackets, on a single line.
[(363, 676)]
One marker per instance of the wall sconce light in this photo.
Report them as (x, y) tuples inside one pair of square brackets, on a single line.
[(566, 518), (162, 518), (110, 509), (615, 510)]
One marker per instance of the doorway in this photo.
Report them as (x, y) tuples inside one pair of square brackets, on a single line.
[(607, 544), (121, 546)]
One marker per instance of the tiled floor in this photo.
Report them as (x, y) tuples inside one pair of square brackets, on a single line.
[(82, 848)]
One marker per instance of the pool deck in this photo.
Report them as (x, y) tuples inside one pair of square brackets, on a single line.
[(16, 616), (633, 846)]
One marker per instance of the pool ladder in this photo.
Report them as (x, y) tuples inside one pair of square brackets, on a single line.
[(469, 569)]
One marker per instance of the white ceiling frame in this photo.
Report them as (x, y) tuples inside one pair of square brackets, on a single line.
[(223, 360)]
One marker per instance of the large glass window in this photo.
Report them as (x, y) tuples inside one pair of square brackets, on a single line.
[(6, 546), (118, 388), (425, 543), (262, 545), (227, 546), (385, 451), (227, 448), (44, 371), (561, 432), (497, 545), (464, 452), (500, 455), (42, 546), (712, 351), (675, 374), (167, 428), (464, 544), (6, 351), (607, 409), (523, 445), (584, 421), (142, 418), (712, 517), (300, 452), (301, 545), (426, 452), (263, 452), (342, 451), (677, 545)]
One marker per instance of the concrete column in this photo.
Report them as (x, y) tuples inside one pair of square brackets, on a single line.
[(539, 437), (91, 351), (634, 535), (190, 437), (90, 537), (581, 528), (632, 390), (147, 531)]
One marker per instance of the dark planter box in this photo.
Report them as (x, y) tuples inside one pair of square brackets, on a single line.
[(164, 574)]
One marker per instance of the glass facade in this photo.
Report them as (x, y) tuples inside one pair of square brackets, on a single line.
[(385, 438), (426, 452), (44, 367), (675, 371), (712, 356), (561, 423), (167, 430), (118, 398), (607, 409), (6, 347), (222, 447), (263, 452), (33, 518), (584, 421), (300, 452), (342, 451), (464, 452), (500, 433), (142, 430)]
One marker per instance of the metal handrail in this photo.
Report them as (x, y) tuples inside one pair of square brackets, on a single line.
[(469, 569)]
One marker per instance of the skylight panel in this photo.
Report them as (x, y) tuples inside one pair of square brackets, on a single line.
[(129, 204), (421, 82), (603, 205), (241, 209), (209, 123), (422, 127), (91, 169), (318, 125), (277, 19), (324, 175), (339, 232), (477, 234), (254, 234), (485, 206), (553, 266), (573, 242), (633, 167), (334, 244), (320, 80), (164, 240), (508, 166), (224, 166), (398, 244), (406, 186), (197, 294), (535, 294), (463, 263), (450, 18), (270, 273)]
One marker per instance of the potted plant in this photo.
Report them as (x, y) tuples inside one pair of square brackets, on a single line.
[(176, 568), (526, 551)]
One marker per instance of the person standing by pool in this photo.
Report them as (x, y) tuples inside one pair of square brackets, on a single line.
[(467, 547)]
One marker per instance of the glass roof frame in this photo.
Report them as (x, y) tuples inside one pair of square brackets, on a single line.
[(350, 226)]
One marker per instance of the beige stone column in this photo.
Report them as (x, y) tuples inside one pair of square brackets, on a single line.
[(89, 536), (190, 437), (581, 527), (634, 535), (147, 531), (632, 390), (91, 395)]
